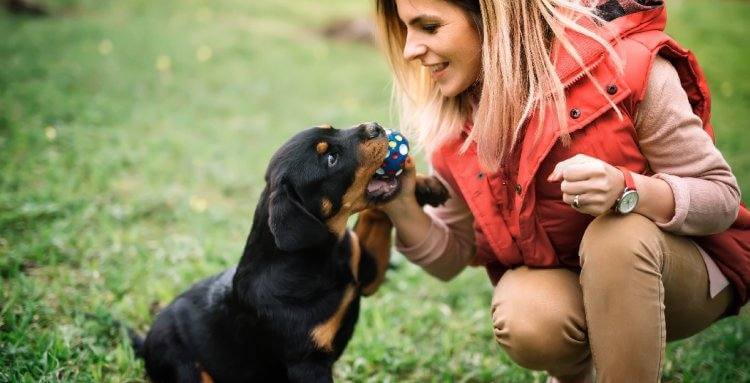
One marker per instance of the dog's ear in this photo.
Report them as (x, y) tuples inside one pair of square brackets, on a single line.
[(293, 227)]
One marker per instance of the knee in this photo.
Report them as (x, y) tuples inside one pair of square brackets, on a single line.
[(540, 338), (617, 242)]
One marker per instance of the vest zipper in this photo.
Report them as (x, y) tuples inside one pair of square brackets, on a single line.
[(582, 73)]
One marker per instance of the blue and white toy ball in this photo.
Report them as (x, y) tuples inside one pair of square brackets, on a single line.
[(398, 151)]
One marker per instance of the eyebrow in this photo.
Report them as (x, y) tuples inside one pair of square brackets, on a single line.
[(421, 18)]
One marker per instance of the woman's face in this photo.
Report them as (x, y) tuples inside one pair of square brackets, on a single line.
[(443, 38)]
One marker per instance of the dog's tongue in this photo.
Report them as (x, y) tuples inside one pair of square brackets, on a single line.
[(379, 186)]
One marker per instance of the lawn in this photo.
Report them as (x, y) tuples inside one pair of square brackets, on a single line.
[(133, 139)]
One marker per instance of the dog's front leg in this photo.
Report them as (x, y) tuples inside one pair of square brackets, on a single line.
[(373, 228)]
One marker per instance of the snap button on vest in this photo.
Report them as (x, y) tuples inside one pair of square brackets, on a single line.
[(575, 113), (611, 89), (518, 189)]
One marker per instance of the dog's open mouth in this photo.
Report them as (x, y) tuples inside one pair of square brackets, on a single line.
[(381, 190)]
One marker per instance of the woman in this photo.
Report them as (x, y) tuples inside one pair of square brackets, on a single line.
[(575, 141)]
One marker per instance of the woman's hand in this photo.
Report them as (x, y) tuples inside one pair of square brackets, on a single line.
[(410, 221), (596, 183), (406, 195)]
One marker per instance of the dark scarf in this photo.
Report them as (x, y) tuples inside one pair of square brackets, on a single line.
[(612, 9)]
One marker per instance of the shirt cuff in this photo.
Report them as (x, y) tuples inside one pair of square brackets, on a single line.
[(681, 202)]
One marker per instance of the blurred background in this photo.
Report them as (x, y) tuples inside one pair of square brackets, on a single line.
[(133, 139)]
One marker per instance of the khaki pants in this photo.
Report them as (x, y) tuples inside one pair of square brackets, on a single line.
[(639, 288)]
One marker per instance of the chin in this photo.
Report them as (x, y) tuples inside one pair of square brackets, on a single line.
[(449, 92), (452, 90)]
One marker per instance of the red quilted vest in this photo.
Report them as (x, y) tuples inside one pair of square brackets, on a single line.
[(520, 218)]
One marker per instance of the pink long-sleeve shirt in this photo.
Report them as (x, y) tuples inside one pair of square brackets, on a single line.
[(678, 150)]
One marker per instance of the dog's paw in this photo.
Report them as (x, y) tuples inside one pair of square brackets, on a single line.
[(430, 191)]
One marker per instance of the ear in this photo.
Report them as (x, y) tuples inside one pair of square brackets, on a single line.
[(293, 227)]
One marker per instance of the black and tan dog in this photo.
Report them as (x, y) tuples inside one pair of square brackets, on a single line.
[(287, 311)]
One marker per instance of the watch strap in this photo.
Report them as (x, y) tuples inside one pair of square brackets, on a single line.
[(629, 183)]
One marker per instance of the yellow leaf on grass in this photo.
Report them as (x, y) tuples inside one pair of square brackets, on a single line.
[(163, 63), (198, 204), (50, 132), (204, 53), (105, 47)]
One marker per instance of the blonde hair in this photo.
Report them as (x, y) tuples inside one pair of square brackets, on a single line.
[(518, 73)]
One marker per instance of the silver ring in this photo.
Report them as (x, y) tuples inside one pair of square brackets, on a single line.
[(576, 201)]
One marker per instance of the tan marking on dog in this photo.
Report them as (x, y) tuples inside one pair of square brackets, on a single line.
[(373, 228), (205, 378), (325, 126), (356, 256), (323, 334), (371, 154), (326, 206), (321, 147)]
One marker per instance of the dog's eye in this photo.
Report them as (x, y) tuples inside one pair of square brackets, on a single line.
[(332, 159)]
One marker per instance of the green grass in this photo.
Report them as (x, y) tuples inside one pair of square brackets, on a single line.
[(133, 139)]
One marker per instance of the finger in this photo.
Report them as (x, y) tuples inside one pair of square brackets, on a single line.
[(409, 170), (575, 187), (578, 172), (587, 202), (570, 198), (557, 173), (409, 164)]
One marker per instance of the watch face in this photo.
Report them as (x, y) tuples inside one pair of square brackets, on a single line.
[(628, 201)]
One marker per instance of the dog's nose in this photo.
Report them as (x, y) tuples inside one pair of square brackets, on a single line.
[(373, 130)]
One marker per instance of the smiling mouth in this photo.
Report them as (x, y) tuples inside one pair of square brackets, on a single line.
[(381, 190)]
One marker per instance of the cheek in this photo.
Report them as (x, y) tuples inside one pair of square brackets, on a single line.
[(471, 55), (467, 58), (474, 67), (467, 67)]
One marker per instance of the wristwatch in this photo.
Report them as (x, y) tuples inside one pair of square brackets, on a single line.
[(629, 198)]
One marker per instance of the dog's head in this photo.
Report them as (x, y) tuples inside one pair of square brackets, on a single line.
[(319, 178)]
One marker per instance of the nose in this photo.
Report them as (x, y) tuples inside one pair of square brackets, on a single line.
[(413, 48), (373, 130)]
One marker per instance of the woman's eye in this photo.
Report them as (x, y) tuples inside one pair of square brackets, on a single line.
[(332, 159), (430, 28)]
